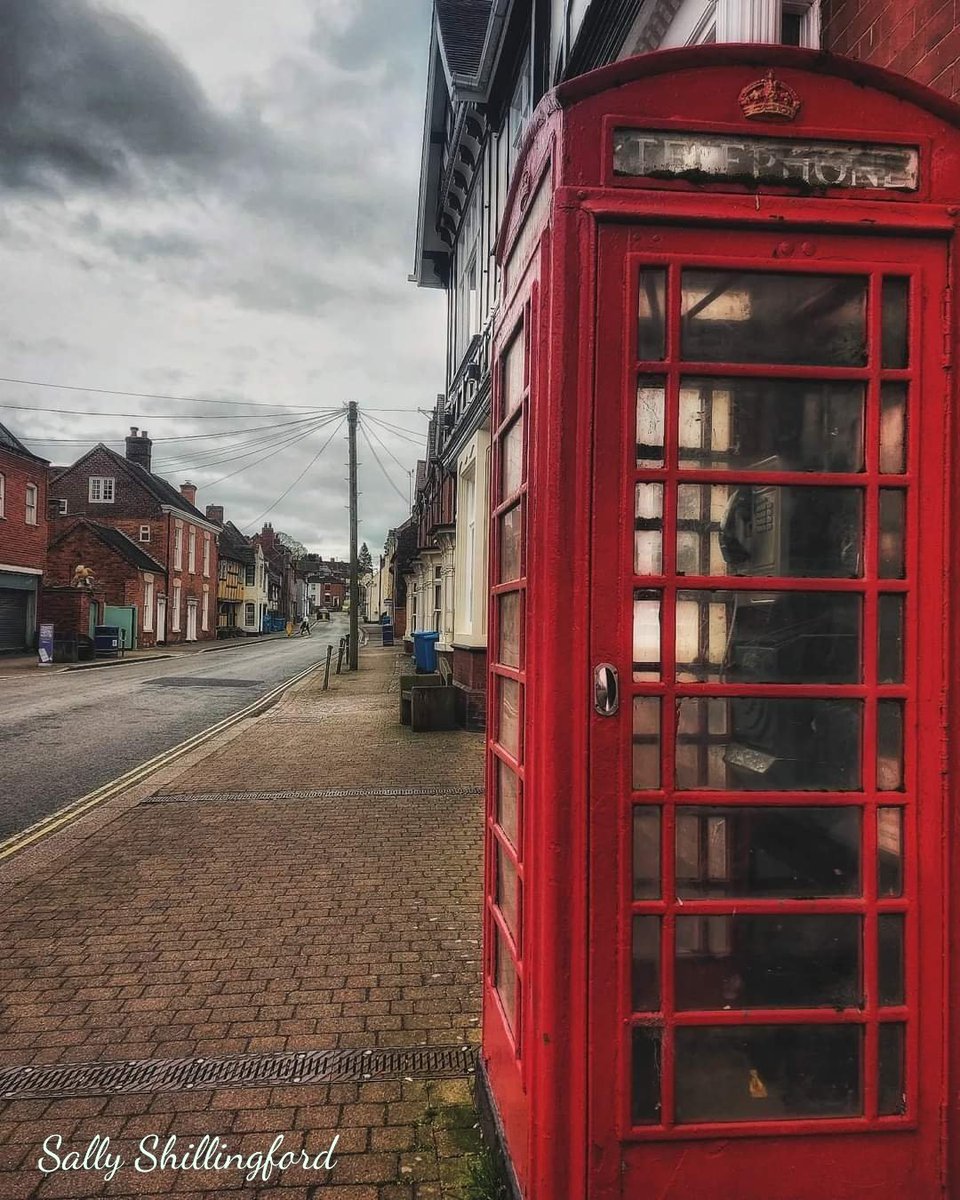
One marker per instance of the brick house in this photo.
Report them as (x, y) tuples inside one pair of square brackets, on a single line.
[(120, 491), (23, 540), (123, 572), (235, 557)]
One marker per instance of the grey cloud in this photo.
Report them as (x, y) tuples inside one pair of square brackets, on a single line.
[(87, 96)]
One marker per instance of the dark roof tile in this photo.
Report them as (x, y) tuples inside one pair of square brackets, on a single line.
[(463, 27)]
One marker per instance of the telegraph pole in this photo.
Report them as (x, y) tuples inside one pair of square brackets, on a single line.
[(354, 580)]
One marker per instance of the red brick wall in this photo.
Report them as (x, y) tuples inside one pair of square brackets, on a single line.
[(918, 38), (22, 545), (118, 581), (68, 609)]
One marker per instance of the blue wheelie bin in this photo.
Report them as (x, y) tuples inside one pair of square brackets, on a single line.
[(425, 651)]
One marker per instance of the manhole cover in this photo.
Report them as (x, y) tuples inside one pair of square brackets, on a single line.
[(234, 1070), (200, 681)]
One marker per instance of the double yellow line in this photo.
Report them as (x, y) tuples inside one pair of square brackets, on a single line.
[(65, 816)]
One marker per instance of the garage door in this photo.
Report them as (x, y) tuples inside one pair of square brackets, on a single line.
[(13, 618)]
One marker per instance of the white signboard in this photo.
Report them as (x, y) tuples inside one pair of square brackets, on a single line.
[(701, 157)]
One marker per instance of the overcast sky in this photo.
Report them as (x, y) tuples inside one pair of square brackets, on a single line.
[(217, 199)]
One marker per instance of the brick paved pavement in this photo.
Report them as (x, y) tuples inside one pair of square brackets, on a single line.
[(210, 927)]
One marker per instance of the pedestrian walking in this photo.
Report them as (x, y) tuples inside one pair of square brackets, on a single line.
[(305, 628)]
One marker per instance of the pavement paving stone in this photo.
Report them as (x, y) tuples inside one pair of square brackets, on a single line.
[(219, 926)]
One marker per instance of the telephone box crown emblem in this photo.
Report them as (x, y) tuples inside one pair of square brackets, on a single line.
[(769, 99)]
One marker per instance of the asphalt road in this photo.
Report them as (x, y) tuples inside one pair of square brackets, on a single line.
[(65, 733)]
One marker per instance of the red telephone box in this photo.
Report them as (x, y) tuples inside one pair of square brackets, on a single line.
[(719, 922)]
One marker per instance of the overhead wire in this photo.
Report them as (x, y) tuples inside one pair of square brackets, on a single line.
[(380, 464), (289, 489), (264, 458), (383, 446), (416, 439), (81, 412), (212, 454), (184, 437), (73, 387), (273, 444)]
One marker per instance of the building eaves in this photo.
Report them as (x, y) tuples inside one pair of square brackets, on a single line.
[(9, 441)]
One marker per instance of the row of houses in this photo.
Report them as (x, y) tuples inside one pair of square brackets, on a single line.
[(108, 541), (490, 64)]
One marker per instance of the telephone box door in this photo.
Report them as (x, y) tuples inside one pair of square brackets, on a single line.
[(767, 945)]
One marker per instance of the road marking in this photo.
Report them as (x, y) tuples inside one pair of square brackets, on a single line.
[(76, 809)]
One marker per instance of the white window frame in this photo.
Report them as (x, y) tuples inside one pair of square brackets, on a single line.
[(175, 613), (149, 596), (205, 609), (206, 556), (31, 500), (62, 508), (249, 613), (101, 489), (809, 11), (178, 545), (192, 551), (3, 495), (144, 533)]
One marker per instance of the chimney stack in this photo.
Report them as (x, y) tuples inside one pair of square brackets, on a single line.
[(139, 448), (189, 492), (215, 513)]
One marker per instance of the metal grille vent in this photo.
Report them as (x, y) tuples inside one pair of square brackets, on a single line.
[(234, 1070), (312, 794)]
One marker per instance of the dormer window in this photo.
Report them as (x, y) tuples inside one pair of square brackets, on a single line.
[(102, 489)]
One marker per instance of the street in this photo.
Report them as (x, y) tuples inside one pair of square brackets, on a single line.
[(65, 733)]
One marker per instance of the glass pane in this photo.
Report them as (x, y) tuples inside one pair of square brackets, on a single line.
[(768, 961), (890, 958), (508, 802), (646, 742), (893, 428), (768, 637), (646, 964), (890, 639), (889, 851), (510, 527), (894, 339), (512, 385), (746, 317), (789, 853), (767, 530), (646, 635), (890, 745), (508, 889), (892, 523), (648, 524), (505, 979), (509, 724), (757, 743), (771, 425), (646, 853), (768, 1072), (509, 623), (645, 1082), (511, 455), (650, 314), (891, 1076), (650, 401)]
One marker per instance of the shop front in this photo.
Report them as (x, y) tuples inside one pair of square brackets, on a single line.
[(719, 922)]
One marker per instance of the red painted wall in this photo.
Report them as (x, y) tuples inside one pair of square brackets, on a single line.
[(920, 38), (23, 545)]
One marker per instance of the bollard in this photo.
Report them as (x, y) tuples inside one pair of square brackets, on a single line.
[(340, 657), (326, 668)]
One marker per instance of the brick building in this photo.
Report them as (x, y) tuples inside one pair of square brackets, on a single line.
[(124, 574), (23, 540), (121, 492)]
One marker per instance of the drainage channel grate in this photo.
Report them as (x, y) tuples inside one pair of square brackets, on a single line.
[(234, 1070), (420, 789)]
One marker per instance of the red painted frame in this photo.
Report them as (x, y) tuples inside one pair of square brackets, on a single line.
[(563, 1118)]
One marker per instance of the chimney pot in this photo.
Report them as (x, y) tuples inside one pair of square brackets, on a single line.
[(215, 513), (189, 492), (133, 431)]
